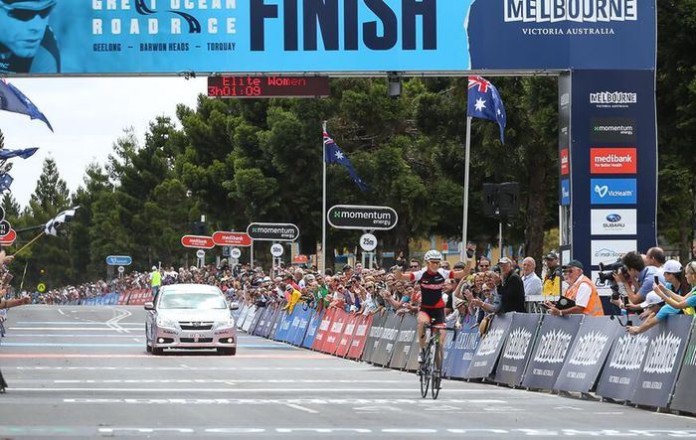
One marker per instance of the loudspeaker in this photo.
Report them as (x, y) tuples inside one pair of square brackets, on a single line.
[(490, 200), (509, 198)]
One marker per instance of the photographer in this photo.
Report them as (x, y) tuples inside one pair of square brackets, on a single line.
[(638, 278), (581, 296)]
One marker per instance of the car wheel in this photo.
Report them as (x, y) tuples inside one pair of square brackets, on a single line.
[(157, 351), (227, 351), (148, 348)]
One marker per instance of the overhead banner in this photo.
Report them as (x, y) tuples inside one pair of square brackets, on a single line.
[(229, 36), (519, 344), (553, 343), (662, 362), (685, 390), (587, 356), (483, 363)]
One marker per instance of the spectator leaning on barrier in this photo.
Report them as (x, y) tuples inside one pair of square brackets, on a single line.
[(582, 293), (531, 281), (685, 303), (652, 306), (511, 288), (641, 276)]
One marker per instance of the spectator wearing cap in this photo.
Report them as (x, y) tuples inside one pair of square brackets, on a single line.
[(511, 289), (531, 281), (553, 284), (685, 303), (27, 43), (582, 293), (652, 306)]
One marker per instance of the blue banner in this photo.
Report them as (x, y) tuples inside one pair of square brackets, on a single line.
[(312, 329), (174, 36)]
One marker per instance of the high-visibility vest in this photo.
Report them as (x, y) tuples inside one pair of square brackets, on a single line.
[(594, 305), (156, 279)]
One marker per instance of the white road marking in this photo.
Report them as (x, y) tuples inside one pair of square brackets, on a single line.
[(215, 381), (376, 403), (411, 390), (301, 408), (61, 312)]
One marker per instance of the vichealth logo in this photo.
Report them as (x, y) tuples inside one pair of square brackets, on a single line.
[(614, 191), (579, 11)]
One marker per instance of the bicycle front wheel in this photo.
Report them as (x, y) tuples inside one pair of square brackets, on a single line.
[(424, 371), (436, 373)]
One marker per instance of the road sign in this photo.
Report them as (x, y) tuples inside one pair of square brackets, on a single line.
[(273, 231), (362, 217), (368, 242), (5, 227), (200, 253), (7, 240), (119, 260), (235, 253), (41, 287), (197, 242), (224, 238), (121, 269), (277, 250)]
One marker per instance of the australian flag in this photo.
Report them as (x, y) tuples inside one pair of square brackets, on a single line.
[(5, 182), (485, 103), (24, 153), (12, 100), (333, 154)]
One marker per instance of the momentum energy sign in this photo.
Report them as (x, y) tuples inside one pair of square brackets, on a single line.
[(362, 217), (268, 86), (359, 36), (273, 231)]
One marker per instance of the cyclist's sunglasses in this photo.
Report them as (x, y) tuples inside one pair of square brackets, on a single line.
[(28, 14)]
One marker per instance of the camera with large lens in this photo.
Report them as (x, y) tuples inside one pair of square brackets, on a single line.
[(606, 276)]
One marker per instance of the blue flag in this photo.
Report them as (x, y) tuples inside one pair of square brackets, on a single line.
[(5, 182), (333, 154), (485, 103), (24, 153), (12, 100)]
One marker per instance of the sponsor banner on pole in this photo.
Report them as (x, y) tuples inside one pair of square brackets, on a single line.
[(483, 363), (587, 356), (685, 390), (662, 362), (312, 328), (362, 329), (619, 377), (374, 335), (405, 341), (518, 346), (464, 348), (383, 352), (347, 336), (551, 349)]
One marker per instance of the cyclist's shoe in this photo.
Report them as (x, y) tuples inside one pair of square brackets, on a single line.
[(421, 357)]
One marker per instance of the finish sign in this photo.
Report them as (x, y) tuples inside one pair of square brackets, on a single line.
[(362, 217), (277, 250), (368, 242)]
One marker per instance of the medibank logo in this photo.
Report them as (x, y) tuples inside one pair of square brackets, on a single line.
[(613, 161), (565, 162), (579, 11)]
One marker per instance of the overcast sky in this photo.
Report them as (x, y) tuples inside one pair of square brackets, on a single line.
[(88, 116)]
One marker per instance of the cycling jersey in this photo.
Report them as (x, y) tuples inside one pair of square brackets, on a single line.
[(431, 284)]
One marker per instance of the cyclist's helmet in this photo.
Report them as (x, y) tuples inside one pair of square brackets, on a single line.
[(433, 255)]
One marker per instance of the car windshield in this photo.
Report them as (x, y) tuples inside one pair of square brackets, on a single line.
[(200, 301)]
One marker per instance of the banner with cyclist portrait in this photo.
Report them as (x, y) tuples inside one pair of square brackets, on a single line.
[(518, 346), (484, 361), (553, 343)]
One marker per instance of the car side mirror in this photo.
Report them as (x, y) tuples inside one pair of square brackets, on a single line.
[(149, 306), (234, 305)]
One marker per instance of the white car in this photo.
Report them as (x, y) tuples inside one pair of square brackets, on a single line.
[(190, 316)]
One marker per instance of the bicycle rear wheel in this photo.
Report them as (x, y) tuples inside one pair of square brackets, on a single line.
[(436, 373), (424, 373)]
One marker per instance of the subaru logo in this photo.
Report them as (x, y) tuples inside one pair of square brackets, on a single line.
[(613, 218)]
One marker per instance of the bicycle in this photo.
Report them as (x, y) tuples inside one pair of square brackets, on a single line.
[(430, 371)]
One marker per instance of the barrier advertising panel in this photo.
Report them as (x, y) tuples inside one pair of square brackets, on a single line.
[(463, 349), (405, 341), (621, 371), (296, 337), (347, 335), (158, 36), (449, 344), (323, 329), (357, 345), (659, 371), (286, 325), (312, 328), (272, 321), (383, 351), (255, 321), (588, 354), (553, 343), (483, 363), (519, 344), (374, 335), (261, 326), (685, 390), (282, 326), (277, 319), (333, 335)]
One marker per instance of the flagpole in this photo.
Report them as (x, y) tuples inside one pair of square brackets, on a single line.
[(29, 244), (465, 215), (322, 266), (21, 285)]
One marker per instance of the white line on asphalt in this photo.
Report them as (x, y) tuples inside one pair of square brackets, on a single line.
[(413, 389), (125, 368), (230, 381), (302, 408), (426, 404), (61, 312)]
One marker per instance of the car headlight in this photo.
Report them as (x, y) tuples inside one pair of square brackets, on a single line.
[(167, 323), (228, 323)]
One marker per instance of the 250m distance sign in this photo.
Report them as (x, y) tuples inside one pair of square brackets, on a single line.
[(362, 217)]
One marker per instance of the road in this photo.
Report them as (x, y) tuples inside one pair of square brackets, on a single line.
[(82, 372)]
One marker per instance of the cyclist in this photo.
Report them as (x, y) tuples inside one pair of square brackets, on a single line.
[(432, 308)]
